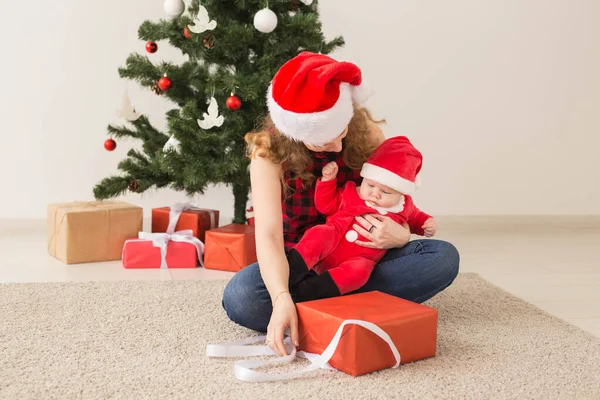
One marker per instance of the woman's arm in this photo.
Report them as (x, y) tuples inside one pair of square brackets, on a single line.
[(274, 268), (266, 200)]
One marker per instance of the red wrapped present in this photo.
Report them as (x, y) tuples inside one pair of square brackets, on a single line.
[(356, 334), (250, 216), (230, 248), (184, 216), (162, 250), (412, 328)]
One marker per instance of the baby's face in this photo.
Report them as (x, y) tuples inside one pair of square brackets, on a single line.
[(380, 195)]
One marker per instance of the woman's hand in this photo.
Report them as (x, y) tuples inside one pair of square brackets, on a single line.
[(385, 233), (283, 316)]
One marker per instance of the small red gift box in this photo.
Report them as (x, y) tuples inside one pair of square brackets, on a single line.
[(230, 248), (183, 216), (152, 250), (412, 328), (250, 216)]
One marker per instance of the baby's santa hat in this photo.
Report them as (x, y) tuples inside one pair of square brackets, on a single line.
[(395, 164), (311, 97)]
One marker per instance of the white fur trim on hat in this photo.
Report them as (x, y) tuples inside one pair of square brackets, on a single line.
[(362, 93), (314, 128), (387, 178)]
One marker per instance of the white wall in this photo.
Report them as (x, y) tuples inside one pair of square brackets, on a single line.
[(501, 96)]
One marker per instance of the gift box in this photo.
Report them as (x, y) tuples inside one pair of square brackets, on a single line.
[(250, 216), (80, 232), (412, 328), (162, 250), (181, 217), (230, 248)]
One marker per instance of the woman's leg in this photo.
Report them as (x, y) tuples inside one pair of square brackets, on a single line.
[(416, 272), (247, 301)]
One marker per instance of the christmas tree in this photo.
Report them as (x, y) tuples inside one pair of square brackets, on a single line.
[(233, 48)]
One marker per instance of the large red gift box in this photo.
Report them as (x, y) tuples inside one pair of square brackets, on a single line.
[(199, 220), (412, 328), (142, 253), (230, 248)]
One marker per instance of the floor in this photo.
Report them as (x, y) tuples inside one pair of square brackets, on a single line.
[(554, 266)]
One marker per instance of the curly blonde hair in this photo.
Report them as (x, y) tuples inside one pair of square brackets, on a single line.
[(294, 156)]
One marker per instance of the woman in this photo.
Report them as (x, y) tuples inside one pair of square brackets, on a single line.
[(314, 118)]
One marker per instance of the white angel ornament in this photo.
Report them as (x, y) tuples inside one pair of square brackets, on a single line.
[(127, 111), (213, 118), (202, 22)]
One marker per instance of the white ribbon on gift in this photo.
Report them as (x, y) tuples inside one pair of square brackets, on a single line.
[(244, 369), (161, 240), (178, 208)]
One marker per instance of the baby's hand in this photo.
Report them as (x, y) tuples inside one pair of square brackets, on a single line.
[(430, 227), (330, 171)]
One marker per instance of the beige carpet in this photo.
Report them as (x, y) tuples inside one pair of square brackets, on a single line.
[(134, 340)]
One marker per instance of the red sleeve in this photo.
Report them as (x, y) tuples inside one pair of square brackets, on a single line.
[(327, 197), (416, 219)]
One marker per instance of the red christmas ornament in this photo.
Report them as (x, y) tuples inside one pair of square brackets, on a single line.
[(164, 83), (151, 47), (110, 144), (233, 102), (186, 33)]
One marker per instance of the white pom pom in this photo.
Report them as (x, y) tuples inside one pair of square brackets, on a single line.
[(174, 8), (265, 21), (362, 93)]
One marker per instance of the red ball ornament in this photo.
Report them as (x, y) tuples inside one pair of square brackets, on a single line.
[(151, 47), (233, 102), (164, 83), (110, 144), (186, 33)]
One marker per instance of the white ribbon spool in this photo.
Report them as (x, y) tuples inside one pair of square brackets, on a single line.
[(244, 369)]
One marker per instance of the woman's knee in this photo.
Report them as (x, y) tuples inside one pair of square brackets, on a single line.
[(246, 300), (450, 257)]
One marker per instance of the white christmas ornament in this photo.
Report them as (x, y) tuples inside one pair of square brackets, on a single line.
[(174, 8), (172, 144), (307, 2), (202, 22), (265, 21), (213, 118), (127, 111)]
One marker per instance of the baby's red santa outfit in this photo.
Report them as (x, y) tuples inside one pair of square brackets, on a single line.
[(341, 265)]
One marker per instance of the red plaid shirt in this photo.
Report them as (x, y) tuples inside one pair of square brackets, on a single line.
[(298, 206)]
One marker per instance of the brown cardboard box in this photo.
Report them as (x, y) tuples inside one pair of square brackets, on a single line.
[(80, 232), (230, 248)]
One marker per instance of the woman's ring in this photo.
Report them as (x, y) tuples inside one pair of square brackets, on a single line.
[(371, 228)]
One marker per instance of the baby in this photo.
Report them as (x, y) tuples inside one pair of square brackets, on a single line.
[(341, 266)]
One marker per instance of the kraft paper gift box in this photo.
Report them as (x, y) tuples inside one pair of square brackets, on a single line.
[(230, 248), (81, 232), (412, 328), (181, 217), (162, 250)]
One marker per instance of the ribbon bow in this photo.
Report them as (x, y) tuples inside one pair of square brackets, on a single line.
[(161, 240)]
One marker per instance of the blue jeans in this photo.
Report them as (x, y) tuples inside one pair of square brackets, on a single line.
[(415, 272)]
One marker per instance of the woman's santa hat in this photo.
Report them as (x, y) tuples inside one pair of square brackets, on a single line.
[(395, 164), (311, 97)]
